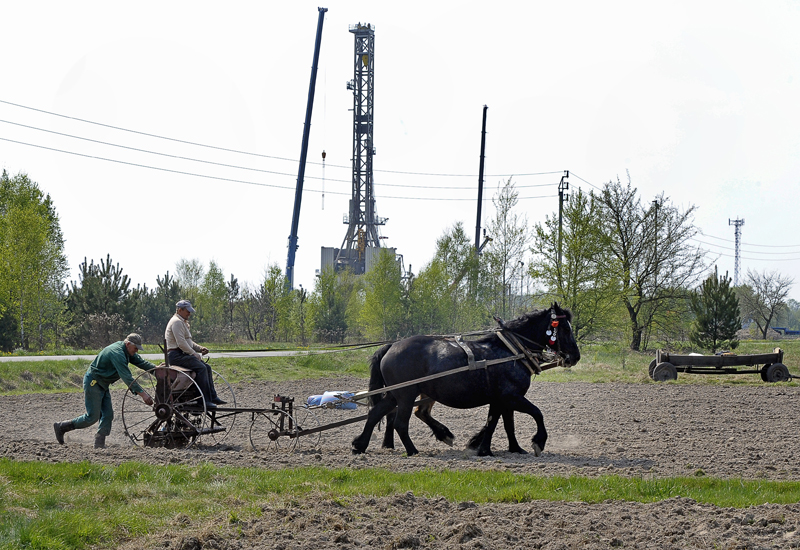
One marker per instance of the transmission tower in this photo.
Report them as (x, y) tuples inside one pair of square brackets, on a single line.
[(737, 223), (362, 231)]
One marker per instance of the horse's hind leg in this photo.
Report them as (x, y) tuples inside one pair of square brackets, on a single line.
[(440, 431), (360, 443), (401, 420), (482, 441)]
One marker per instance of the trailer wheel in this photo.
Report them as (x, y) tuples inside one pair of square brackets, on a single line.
[(651, 368), (664, 372), (777, 372), (764, 372)]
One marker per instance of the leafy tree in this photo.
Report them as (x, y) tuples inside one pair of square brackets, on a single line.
[(431, 300), (190, 274), (382, 313), (278, 304), (211, 304), (329, 302), (653, 260), (505, 253), (582, 280), (32, 261), (763, 297), (233, 291), (717, 315), (155, 307)]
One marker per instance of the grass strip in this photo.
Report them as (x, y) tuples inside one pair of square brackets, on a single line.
[(83, 505)]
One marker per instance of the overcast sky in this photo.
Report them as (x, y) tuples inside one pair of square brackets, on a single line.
[(698, 100)]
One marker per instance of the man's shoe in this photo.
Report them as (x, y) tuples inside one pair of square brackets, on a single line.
[(61, 428), (99, 441), (218, 401), (210, 405)]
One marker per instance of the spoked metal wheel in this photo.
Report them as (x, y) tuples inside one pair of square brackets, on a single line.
[(273, 430), (221, 420), (307, 420), (177, 417)]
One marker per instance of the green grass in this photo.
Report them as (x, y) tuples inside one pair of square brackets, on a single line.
[(599, 363), (17, 377), (74, 506)]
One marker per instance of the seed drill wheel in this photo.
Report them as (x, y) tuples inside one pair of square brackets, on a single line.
[(665, 372), (177, 417), (277, 430)]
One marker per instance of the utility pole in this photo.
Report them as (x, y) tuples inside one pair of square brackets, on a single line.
[(563, 185), (656, 204), (480, 185), (737, 223)]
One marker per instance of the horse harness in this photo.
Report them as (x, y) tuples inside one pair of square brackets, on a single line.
[(521, 353)]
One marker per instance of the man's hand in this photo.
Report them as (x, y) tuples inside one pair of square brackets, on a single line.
[(146, 398), (204, 351)]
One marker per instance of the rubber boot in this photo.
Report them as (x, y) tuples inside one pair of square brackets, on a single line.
[(61, 428), (99, 441)]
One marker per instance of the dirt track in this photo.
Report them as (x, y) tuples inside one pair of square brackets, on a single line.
[(635, 430)]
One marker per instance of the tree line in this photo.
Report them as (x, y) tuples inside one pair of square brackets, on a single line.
[(625, 266)]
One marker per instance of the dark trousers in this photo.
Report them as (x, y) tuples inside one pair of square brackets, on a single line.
[(201, 370)]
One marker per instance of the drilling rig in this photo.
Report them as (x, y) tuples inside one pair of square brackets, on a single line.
[(362, 242)]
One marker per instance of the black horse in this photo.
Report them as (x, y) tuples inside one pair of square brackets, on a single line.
[(502, 386)]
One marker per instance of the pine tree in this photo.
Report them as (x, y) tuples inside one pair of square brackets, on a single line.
[(717, 314)]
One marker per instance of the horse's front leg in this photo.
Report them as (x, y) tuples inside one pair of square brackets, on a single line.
[(521, 404), (405, 406), (508, 424), (385, 405), (388, 432)]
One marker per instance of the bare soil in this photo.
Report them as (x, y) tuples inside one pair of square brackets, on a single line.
[(634, 430)]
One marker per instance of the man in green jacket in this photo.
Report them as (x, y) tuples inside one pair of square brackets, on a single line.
[(110, 365)]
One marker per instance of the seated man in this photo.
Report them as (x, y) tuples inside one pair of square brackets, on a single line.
[(183, 352)]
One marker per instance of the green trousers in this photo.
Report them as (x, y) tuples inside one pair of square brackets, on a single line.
[(98, 407)]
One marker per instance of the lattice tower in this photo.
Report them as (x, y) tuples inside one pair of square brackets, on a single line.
[(362, 221), (737, 223)]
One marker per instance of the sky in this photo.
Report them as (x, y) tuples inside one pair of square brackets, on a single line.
[(173, 130)]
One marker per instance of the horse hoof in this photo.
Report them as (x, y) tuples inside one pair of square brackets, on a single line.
[(519, 450), (482, 452), (449, 441), (537, 451)]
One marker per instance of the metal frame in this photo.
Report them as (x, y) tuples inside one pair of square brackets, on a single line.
[(362, 231)]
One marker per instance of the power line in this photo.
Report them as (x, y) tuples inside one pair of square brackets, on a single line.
[(584, 181), (206, 176), (179, 157), (259, 154), (748, 251), (751, 244)]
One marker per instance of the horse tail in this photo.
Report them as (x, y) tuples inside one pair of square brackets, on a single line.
[(376, 380)]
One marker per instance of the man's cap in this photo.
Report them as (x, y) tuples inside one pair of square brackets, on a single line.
[(134, 339), (185, 304)]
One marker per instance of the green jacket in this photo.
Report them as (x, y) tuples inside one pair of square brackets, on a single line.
[(111, 364)]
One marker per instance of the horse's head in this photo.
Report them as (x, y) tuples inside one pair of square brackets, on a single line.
[(566, 346), (550, 329)]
